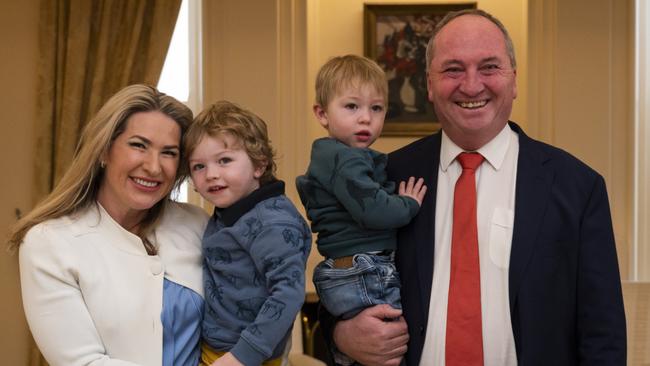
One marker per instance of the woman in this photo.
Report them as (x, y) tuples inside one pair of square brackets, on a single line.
[(110, 267)]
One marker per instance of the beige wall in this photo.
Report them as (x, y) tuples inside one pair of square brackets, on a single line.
[(598, 127), (641, 239), (576, 60), (254, 55), (335, 27), (265, 54), (18, 39), (581, 98), (588, 59)]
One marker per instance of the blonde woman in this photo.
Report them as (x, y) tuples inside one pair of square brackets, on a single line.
[(110, 267)]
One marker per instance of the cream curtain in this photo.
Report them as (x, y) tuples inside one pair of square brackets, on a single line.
[(90, 49)]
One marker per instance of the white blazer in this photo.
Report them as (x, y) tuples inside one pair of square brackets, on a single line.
[(92, 295)]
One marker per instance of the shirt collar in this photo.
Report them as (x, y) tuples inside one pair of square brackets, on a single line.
[(230, 215), (494, 151)]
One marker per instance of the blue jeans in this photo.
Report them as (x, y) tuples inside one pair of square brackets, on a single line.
[(371, 280)]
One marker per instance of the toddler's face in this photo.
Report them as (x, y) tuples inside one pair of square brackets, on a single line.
[(222, 171), (355, 116)]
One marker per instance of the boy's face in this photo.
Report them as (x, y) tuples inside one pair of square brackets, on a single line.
[(223, 175), (355, 116)]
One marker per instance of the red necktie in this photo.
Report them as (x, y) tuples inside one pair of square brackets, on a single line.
[(464, 339)]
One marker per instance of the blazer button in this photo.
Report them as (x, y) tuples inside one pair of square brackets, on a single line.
[(156, 268), (422, 330)]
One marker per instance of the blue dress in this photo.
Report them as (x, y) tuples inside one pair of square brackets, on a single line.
[(181, 319)]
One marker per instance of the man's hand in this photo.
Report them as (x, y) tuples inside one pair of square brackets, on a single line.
[(377, 336), (413, 189)]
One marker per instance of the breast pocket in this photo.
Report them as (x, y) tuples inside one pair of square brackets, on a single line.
[(501, 236)]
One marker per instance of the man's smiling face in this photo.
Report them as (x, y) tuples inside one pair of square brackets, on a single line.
[(471, 81)]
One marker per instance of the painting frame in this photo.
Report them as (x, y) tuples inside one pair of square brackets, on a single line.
[(395, 36)]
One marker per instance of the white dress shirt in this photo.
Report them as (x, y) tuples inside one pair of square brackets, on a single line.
[(495, 188)]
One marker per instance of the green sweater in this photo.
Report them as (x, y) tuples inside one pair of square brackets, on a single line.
[(349, 202)]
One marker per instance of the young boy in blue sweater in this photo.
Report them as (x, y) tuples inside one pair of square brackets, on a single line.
[(256, 244), (347, 197)]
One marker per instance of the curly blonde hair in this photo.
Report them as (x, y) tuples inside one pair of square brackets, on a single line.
[(224, 117)]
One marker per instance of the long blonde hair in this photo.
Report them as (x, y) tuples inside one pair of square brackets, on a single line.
[(80, 184)]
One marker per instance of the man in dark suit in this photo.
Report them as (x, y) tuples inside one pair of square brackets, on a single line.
[(550, 290)]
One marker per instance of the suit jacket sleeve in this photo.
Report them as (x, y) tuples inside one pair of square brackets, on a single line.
[(327, 322), (600, 316)]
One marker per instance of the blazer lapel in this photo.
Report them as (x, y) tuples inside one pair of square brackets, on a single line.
[(424, 228), (531, 198)]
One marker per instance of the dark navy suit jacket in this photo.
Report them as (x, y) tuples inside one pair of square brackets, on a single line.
[(565, 292)]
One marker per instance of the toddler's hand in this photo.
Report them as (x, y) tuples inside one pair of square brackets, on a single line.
[(227, 360), (413, 189)]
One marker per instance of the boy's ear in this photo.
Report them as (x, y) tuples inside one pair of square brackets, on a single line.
[(321, 115), (259, 171)]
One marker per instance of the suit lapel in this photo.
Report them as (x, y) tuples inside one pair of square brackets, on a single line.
[(531, 198), (424, 228)]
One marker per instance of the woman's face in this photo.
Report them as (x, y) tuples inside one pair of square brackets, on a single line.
[(140, 167)]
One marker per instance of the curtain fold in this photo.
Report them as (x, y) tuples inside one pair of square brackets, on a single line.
[(90, 49)]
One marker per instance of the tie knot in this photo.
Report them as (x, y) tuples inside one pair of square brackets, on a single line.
[(470, 161)]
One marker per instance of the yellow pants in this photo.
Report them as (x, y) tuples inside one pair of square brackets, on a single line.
[(208, 356)]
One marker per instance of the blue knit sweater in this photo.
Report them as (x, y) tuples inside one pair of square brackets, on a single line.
[(254, 274)]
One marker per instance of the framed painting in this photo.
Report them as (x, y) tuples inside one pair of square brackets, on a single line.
[(396, 36)]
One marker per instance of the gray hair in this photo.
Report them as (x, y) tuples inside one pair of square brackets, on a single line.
[(510, 48)]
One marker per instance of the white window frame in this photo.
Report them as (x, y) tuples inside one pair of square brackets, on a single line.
[(641, 199), (195, 87)]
